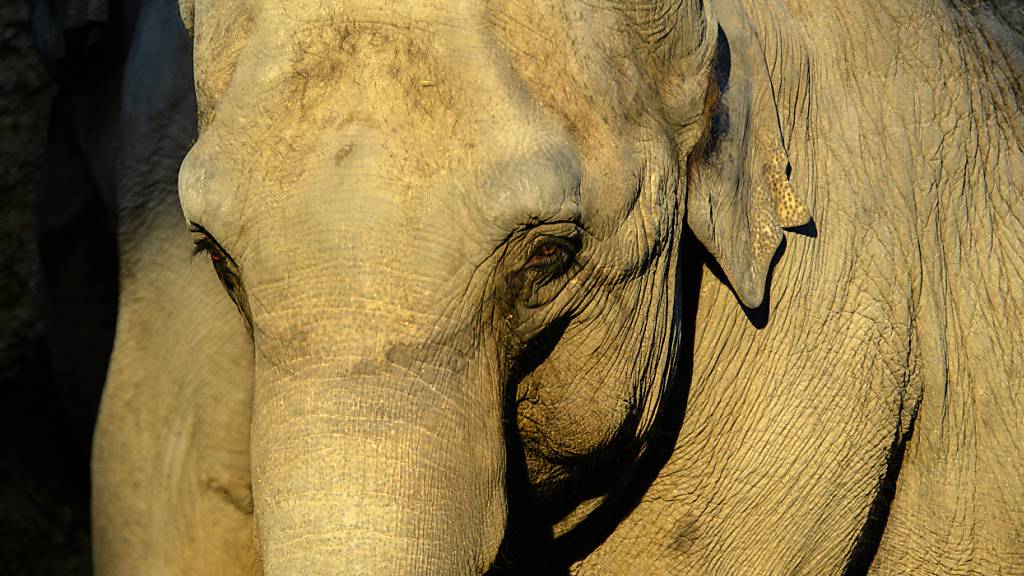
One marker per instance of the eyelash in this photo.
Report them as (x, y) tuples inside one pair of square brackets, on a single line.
[(206, 244), (225, 267)]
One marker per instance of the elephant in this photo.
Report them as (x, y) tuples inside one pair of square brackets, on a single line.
[(576, 287)]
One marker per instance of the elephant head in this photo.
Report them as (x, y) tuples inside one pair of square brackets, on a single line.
[(449, 224)]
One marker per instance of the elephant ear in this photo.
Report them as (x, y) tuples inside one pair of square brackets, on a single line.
[(739, 197)]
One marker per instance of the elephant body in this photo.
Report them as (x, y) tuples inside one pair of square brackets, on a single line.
[(504, 288)]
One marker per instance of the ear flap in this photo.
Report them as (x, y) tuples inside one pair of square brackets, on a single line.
[(739, 197)]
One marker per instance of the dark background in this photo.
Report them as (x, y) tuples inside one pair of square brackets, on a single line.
[(44, 516)]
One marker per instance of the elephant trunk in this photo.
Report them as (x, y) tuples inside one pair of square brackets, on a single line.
[(388, 464)]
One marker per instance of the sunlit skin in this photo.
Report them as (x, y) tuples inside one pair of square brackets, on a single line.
[(644, 287)]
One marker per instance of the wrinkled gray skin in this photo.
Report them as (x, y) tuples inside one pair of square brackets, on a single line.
[(485, 265)]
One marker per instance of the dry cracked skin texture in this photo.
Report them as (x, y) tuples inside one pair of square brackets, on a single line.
[(43, 482)]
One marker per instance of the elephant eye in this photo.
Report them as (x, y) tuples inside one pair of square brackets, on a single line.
[(551, 253), (223, 264), (206, 243), (546, 271)]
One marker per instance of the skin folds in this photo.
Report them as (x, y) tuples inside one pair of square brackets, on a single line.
[(505, 288)]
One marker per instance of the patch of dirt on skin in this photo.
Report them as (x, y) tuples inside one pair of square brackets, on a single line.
[(43, 478)]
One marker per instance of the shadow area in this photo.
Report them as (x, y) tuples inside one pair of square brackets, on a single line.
[(622, 478), (870, 538)]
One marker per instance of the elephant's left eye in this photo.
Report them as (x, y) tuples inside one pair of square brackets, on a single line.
[(551, 255), (549, 252), (546, 270)]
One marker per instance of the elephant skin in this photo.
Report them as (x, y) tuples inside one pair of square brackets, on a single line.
[(504, 288)]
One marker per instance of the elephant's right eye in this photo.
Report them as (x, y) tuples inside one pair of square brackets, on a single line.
[(223, 264), (204, 243)]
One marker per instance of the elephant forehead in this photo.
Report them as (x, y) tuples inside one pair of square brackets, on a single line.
[(489, 117), (302, 51)]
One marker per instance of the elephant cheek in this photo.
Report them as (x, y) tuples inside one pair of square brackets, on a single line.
[(379, 471)]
